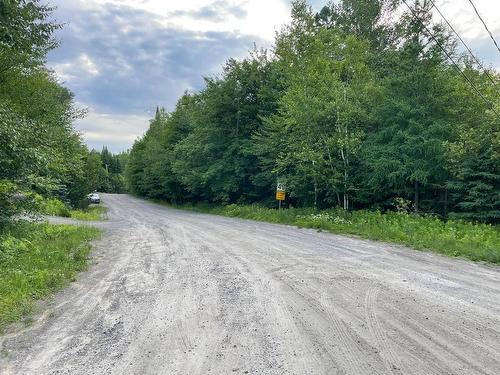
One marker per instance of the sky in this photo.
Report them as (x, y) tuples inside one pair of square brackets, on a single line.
[(122, 58)]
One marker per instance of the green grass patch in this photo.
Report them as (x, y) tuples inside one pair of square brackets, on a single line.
[(91, 213), (35, 261), (54, 207), (477, 242)]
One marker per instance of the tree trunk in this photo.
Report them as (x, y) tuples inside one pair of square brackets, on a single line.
[(416, 196), (315, 186), (344, 153), (315, 194), (445, 207), (346, 195)]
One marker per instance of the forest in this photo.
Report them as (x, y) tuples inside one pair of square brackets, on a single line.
[(45, 167), (354, 106), (42, 156)]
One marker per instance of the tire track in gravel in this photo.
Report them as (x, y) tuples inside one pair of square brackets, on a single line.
[(356, 274), (177, 292), (391, 360), (409, 318)]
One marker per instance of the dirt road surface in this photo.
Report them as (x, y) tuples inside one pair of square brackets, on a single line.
[(173, 292)]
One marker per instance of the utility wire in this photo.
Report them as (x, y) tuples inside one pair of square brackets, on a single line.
[(466, 46), (453, 61), (484, 23)]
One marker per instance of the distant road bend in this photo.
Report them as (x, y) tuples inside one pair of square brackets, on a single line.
[(182, 293)]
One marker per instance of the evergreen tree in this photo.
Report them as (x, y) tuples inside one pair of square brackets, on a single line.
[(349, 109)]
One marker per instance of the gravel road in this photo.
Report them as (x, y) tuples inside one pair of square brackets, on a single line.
[(174, 292)]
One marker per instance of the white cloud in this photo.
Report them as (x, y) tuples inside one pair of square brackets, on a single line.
[(462, 16), (112, 130), (72, 69), (256, 17), (464, 20)]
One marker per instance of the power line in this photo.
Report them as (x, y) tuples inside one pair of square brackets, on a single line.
[(484, 23), (466, 46), (453, 61)]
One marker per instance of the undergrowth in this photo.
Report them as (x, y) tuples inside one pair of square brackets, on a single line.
[(35, 260), (91, 213)]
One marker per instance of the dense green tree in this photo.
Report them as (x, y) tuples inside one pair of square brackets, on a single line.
[(39, 151), (26, 35), (473, 158), (39, 101), (134, 171), (114, 167), (366, 19), (213, 161), (324, 109), (96, 176), (350, 108)]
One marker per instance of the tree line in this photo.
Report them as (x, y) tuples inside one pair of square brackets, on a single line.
[(105, 171), (41, 154), (352, 107)]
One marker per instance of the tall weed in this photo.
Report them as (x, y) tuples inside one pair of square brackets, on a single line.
[(35, 260)]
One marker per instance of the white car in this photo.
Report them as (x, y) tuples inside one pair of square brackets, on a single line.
[(94, 198)]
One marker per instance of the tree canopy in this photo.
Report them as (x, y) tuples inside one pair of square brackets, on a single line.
[(40, 151), (351, 108)]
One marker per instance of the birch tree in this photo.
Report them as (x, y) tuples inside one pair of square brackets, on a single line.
[(324, 109)]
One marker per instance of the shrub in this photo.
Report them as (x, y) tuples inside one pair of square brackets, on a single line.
[(55, 207), (7, 206), (14, 201)]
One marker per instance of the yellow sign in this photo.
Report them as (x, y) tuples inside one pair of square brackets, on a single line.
[(280, 195)]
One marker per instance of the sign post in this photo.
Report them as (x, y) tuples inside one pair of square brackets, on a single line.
[(280, 194)]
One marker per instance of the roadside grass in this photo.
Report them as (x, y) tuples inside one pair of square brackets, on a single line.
[(56, 207), (36, 260), (91, 213), (474, 241)]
